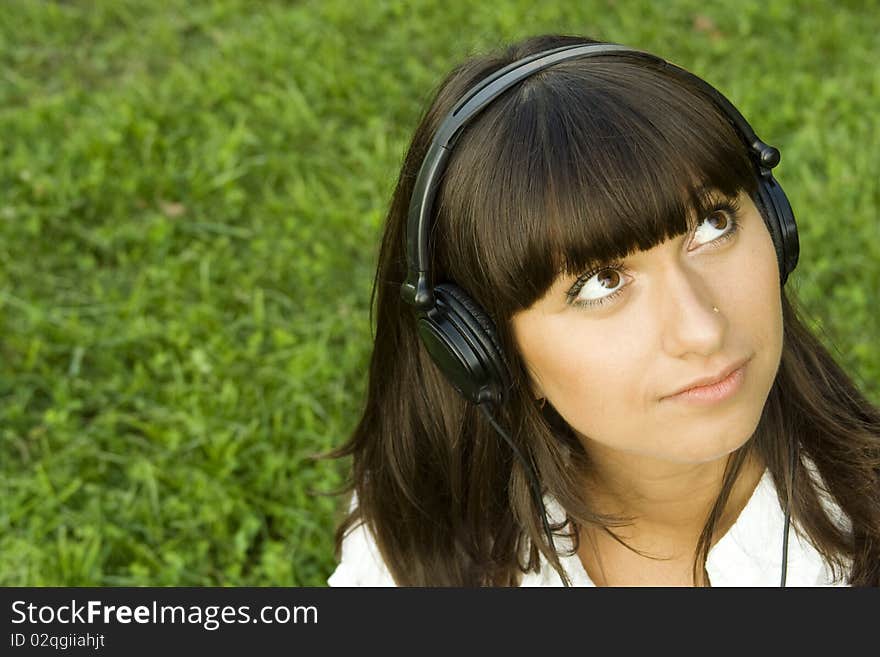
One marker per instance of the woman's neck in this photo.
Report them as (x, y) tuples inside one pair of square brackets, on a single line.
[(669, 502), (671, 513)]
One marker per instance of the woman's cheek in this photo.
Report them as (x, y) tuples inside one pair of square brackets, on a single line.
[(597, 400)]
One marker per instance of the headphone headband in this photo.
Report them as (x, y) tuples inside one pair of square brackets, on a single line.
[(417, 290)]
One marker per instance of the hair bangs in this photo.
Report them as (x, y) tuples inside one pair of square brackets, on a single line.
[(584, 165)]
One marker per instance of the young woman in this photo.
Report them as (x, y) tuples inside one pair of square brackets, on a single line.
[(625, 394)]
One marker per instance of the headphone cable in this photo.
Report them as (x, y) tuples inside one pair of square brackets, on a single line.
[(794, 451), (533, 479)]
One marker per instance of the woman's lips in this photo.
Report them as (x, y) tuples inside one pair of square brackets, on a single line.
[(714, 393)]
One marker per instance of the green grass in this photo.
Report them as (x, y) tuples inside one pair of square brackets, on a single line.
[(192, 197)]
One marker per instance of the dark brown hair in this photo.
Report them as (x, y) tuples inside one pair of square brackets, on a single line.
[(584, 162)]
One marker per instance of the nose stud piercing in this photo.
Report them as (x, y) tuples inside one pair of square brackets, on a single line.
[(715, 309)]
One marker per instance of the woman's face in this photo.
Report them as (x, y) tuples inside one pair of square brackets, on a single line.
[(609, 370)]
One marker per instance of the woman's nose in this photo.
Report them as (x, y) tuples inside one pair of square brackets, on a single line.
[(690, 322)]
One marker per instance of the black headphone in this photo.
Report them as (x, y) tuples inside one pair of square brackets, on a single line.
[(456, 331)]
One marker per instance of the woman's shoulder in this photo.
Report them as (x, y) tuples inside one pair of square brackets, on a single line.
[(360, 563)]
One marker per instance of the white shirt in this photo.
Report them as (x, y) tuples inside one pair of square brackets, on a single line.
[(749, 553)]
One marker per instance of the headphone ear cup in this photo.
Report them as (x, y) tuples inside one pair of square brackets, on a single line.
[(787, 224), (776, 210), (479, 321), (462, 342)]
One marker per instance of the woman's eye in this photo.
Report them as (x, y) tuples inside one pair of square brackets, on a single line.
[(719, 225), (599, 288)]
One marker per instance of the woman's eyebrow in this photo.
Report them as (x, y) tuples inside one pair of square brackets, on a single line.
[(706, 192)]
